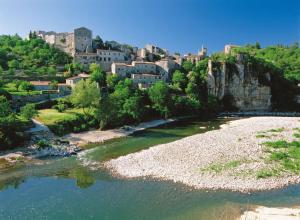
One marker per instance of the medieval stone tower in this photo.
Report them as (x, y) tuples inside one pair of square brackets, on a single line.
[(82, 39)]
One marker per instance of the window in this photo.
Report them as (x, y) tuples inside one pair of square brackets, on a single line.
[(100, 58), (104, 59), (108, 58)]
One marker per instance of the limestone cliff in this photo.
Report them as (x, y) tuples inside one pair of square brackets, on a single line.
[(239, 86)]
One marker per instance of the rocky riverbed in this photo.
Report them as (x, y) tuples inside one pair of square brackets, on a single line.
[(230, 158)]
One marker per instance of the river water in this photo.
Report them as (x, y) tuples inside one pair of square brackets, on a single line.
[(73, 188)]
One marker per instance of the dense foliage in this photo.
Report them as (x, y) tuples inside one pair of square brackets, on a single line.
[(11, 126), (31, 57), (286, 58), (109, 101)]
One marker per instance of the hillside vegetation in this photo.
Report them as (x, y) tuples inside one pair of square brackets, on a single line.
[(33, 57), (286, 58)]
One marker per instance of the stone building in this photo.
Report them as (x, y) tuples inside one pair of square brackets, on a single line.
[(80, 40), (145, 80), (142, 53), (72, 81), (228, 48), (125, 70), (164, 68), (143, 74), (239, 86), (167, 66), (155, 50), (104, 58), (194, 58)]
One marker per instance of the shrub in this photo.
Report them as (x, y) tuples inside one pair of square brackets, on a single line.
[(28, 111), (42, 144), (60, 107)]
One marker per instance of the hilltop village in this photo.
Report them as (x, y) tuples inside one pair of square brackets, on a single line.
[(148, 65), (145, 66)]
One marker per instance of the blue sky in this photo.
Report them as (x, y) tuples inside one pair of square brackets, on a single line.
[(179, 25)]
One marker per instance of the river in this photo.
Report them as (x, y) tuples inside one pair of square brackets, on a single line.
[(78, 188)]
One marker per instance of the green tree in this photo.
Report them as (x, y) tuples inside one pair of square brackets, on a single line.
[(26, 86), (53, 85), (93, 67), (17, 84), (61, 106), (160, 96), (5, 108), (97, 42), (192, 90), (179, 80), (112, 80), (106, 114), (187, 66), (85, 95), (13, 64), (11, 128), (97, 74), (133, 107), (28, 111)]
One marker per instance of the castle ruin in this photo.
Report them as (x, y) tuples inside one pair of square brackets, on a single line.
[(80, 40)]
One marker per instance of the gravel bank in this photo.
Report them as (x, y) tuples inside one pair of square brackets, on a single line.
[(98, 136), (266, 213), (228, 158)]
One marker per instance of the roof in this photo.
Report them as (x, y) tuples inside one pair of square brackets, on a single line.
[(102, 50), (40, 83), (80, 76), (74, 77), (122, 64), (84, 75), (142, 62)]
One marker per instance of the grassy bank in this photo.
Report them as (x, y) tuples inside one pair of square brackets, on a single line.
[(60, 123)]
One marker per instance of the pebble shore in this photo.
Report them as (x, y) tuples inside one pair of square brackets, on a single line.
[(188, 160)]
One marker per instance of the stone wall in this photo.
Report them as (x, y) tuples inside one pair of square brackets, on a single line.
[(240, 84), (19, 101)]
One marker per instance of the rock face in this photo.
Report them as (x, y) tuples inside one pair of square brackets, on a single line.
[(240, 85)]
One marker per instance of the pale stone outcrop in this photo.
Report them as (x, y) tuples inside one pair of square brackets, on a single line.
[(241, 83)]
